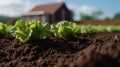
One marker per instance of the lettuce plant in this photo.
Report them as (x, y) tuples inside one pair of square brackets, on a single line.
[(30, 30), (65, 28), (4, 29)]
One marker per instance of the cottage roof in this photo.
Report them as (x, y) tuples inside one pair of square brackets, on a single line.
[(47, 8)]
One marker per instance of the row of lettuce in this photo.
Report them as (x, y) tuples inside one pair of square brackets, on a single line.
[(32, 30)]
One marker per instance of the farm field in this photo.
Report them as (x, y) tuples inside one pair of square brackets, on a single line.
[(59, 33), (100, 49)]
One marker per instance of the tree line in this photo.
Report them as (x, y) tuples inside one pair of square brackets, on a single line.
[(5, 19), (96, 14)]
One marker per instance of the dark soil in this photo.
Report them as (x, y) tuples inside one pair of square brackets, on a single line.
[(86, 50)]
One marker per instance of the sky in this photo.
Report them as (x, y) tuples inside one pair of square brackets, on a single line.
[(19, 7)]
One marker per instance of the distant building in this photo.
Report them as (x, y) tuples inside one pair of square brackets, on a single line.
[(52, 12)]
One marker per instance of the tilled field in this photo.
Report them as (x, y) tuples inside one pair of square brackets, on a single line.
[(100, 22), (86, 50)]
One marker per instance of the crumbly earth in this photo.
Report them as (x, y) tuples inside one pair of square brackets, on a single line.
[(85, 50)]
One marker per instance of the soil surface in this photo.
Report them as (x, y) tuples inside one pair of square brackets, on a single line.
[(100, 22), (86, 50)]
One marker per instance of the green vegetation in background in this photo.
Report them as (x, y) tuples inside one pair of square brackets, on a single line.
[(93, 16), (86, 17), (7, 18), (117, 16)]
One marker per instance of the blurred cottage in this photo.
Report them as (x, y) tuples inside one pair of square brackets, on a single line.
[(52, 12)]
